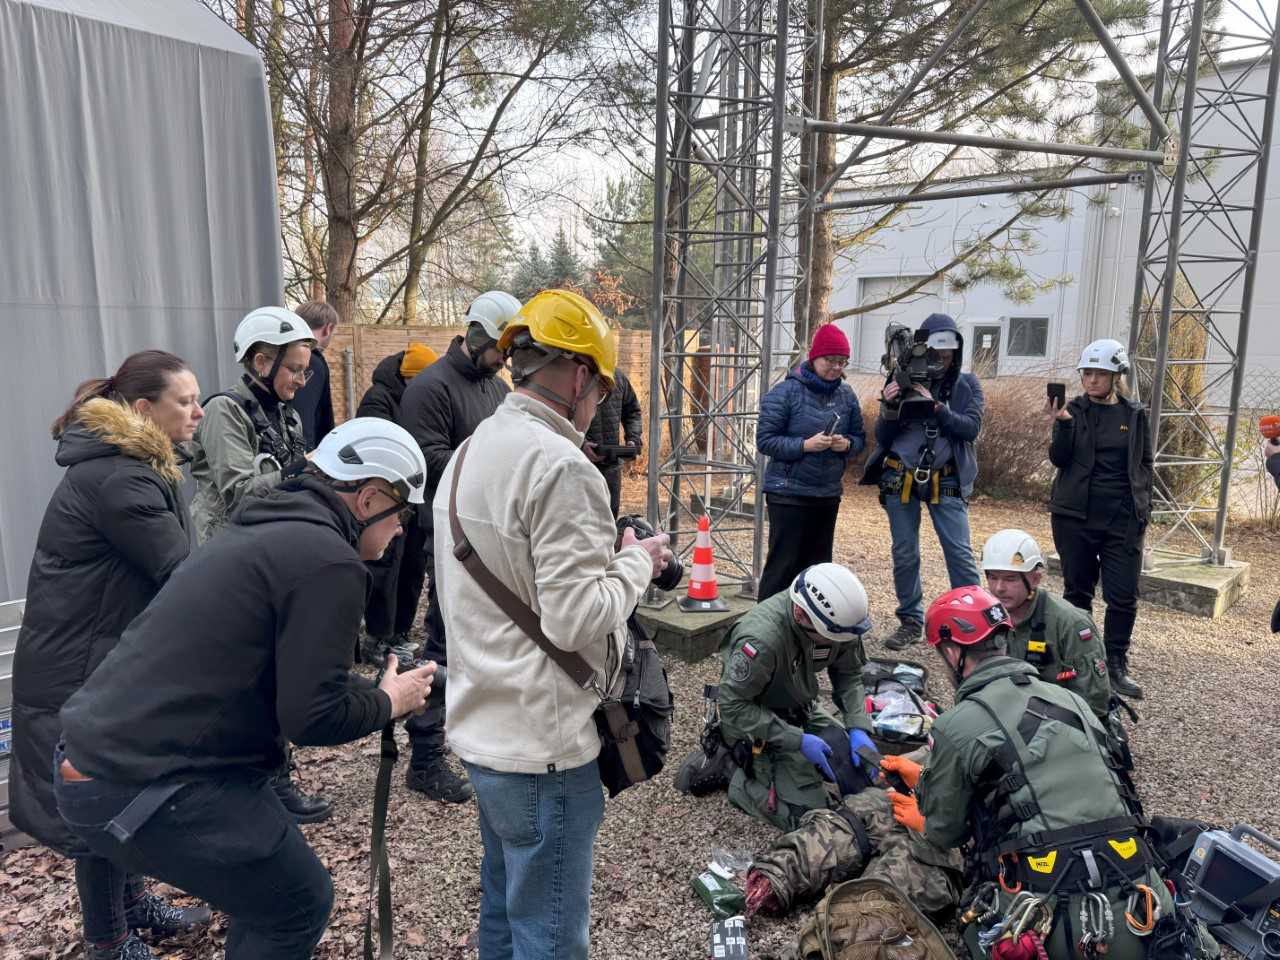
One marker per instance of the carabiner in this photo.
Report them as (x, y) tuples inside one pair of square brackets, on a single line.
[(1152, 906), (1014, 890)]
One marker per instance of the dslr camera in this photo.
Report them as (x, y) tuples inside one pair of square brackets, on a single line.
[(670, 577), (906, 360)]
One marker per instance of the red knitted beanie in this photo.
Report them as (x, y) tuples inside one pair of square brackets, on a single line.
[(829, 341)]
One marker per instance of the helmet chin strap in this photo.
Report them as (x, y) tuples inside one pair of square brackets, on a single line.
[(550, 395), (269, 383)]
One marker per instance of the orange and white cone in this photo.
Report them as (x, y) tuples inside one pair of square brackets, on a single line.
[(704, 594)]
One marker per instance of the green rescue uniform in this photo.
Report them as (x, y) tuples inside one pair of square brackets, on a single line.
[(1062, 643), (1020, 768), (234, 457), (769, 698)]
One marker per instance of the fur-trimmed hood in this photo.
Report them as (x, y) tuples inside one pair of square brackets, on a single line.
[(105, 428)]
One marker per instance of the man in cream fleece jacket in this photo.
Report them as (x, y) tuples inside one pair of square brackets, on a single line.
[(537, 512)]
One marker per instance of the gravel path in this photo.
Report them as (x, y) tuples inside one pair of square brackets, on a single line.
[(1206, 747)]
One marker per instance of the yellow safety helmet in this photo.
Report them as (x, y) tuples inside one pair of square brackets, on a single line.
[(565, 321)]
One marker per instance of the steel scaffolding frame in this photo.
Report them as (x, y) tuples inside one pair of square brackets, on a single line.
[(733, 89), (1214, 198), (728, 213)]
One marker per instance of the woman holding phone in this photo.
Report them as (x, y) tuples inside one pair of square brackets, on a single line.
[(1101, 500), (810, 425)]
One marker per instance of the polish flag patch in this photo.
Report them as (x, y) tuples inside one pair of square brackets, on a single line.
[(749, 650), (1086, 634)]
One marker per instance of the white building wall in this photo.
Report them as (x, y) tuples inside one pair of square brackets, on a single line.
[(1096, 248)]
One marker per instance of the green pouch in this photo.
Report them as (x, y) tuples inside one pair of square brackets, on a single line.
[(721, 895)]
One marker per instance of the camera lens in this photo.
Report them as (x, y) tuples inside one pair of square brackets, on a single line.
[(670, 578)]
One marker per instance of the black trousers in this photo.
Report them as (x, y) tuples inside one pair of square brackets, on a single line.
[(1112, 553), (105, 893), (426, 732), (614, 479), (801, 533), (398, 576), (226, 840)]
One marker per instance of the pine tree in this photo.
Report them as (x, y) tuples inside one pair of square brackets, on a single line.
[(531, 275), (563, 267)]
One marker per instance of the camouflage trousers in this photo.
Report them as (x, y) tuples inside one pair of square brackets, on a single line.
[(824, 850)]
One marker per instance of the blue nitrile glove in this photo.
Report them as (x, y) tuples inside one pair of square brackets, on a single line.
[(858, 738), (816, 751)]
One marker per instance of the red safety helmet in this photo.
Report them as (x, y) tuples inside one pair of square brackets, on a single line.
[(964, 616)]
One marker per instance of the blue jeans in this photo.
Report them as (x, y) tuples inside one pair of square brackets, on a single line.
[(538, 830), (950, 516)]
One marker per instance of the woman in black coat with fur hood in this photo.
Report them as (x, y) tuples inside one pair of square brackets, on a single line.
[(114, 530)]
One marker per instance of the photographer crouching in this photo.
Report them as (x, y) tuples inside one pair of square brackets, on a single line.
[(169, 747), (930, 416)]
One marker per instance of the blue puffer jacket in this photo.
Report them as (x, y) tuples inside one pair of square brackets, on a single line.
[(797, 408)]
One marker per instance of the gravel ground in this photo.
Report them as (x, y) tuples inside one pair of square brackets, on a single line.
[(1206, 747)]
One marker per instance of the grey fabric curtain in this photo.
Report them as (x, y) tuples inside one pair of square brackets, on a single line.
[(137, 210)]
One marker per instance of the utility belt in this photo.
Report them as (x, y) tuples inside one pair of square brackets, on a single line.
[(899, 480), (1091, 857)]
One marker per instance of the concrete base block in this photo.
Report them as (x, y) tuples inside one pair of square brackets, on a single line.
[(1202, 589), (693, 636)]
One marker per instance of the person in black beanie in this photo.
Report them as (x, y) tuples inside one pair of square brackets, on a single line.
[(1101, 499)]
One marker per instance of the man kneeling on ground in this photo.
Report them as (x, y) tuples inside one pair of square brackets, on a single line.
[(769, 712), (168, 748)]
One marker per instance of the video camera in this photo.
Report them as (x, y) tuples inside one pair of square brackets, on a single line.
[(906, 360)]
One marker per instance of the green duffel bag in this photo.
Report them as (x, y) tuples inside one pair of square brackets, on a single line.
[(868, 920)]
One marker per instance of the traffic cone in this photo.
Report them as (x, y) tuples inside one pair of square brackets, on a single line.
[(704, 595)]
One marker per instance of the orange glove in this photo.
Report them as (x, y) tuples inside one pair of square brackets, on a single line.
[(908, 770), (906, 811)]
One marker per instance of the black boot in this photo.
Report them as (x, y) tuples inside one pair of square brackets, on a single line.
[(303, 808), (700, 775), (132, 948), (438, 782), (1121, 682), (162, 918), (908, 633)]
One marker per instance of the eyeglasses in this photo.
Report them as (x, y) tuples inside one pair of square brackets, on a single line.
[(835, 361), (405, 513), (298, 372)]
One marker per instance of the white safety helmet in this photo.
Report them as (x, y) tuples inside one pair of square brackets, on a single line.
[(834, 599), (368, 447), (1011, 551), (493, 310), (1104, 354), (274, 325)]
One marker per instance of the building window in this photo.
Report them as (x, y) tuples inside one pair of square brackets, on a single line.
[(1028, 336)]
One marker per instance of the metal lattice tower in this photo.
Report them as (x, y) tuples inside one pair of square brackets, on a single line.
[(1192, 301), (728, 212), (733, 213)]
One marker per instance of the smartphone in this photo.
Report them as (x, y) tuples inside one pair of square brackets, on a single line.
[(1057, 393), (831, 424)]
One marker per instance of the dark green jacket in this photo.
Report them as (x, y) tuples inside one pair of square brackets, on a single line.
[(1062, 643), (769, 678), (1057, 738)]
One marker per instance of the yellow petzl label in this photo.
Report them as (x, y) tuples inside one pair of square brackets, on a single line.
[(1126, 848), (1043, 864), (1036, 646)]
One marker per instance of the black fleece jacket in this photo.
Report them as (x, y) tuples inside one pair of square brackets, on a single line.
[(1072, 451), (247, 645)]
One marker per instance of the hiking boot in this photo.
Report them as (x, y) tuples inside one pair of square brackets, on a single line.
[(909, 632), (302, 807), (162, 918), (1121, 682), (373, 650), (132, 948), (700, 775), (439, 783)]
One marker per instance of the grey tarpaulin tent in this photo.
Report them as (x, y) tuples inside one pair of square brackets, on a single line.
[(137, 210)]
